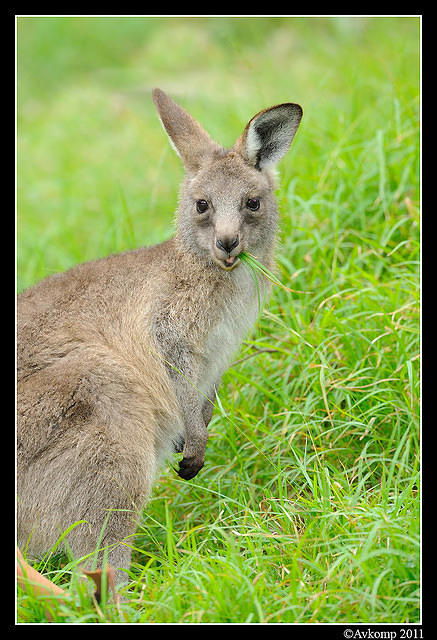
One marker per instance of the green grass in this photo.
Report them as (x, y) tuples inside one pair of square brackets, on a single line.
[(308, 508)]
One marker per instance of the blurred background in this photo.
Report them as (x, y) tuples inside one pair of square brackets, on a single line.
[(95, 171)]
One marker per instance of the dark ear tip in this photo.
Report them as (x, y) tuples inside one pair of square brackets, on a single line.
[(294, 108), (298, 108)]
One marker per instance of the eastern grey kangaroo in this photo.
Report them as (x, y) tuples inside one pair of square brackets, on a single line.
[(119, 359)]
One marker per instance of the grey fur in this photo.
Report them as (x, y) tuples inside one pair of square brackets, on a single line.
[(119, 359)]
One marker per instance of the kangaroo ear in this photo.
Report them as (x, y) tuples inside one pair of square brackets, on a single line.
[(188, 138), (269, 134)]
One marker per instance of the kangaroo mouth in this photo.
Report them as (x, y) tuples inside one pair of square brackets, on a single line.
[(228, 263), (231, 262)]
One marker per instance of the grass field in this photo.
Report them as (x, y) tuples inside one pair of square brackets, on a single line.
[(308, 507)]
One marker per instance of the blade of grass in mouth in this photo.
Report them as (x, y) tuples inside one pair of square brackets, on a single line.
[(254, 264)]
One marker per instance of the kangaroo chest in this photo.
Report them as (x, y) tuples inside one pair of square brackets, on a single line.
[(200, 334), (227, 333)]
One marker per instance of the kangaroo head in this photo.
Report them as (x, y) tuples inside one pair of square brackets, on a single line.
[(227, 203)]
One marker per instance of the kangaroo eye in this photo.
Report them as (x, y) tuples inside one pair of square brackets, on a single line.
[(253, 204), (201, 206)]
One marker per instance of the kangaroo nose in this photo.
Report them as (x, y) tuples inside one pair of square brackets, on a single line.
[(227, 244)]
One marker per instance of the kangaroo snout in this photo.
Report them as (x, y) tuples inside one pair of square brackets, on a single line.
[(226, 250), (227, 244)]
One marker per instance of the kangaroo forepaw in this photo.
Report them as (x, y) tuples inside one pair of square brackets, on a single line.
[(190, 467)]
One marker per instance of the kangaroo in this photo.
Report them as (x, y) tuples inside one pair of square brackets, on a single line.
[(119, 359)]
